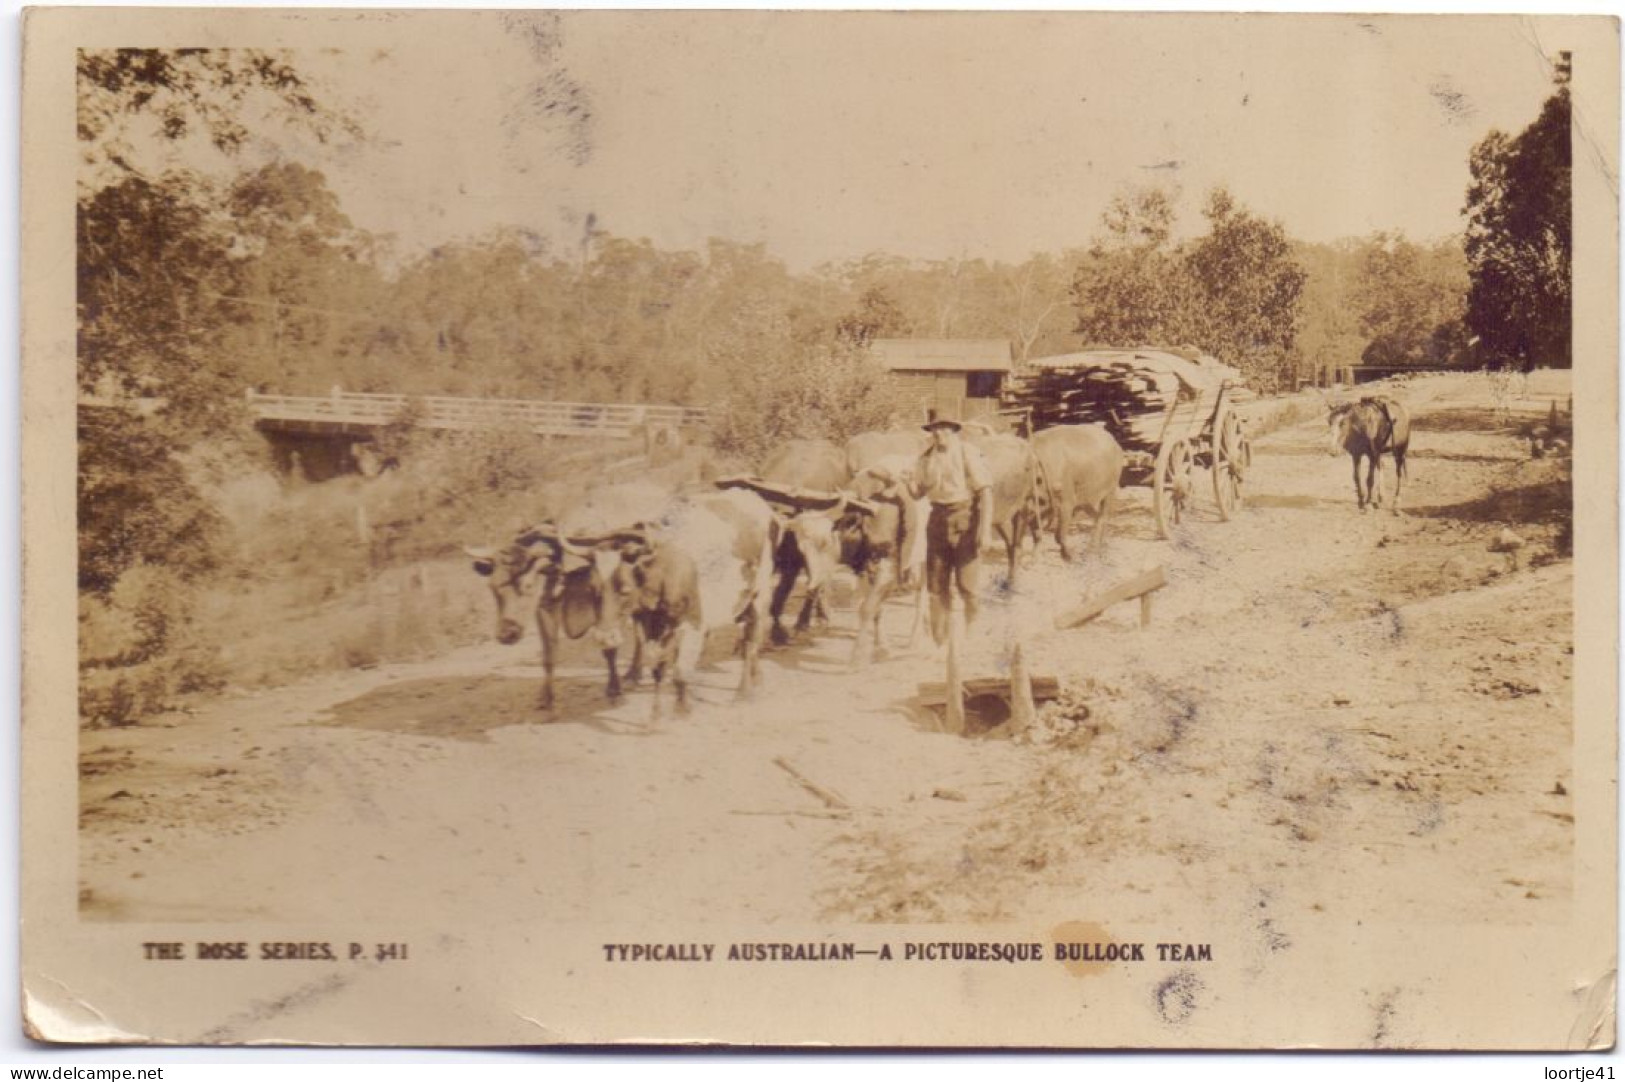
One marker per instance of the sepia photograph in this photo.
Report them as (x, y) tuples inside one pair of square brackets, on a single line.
[(862, 529)]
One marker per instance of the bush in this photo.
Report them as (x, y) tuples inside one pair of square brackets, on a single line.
[(140, 649), (136, 503), (816, 391)]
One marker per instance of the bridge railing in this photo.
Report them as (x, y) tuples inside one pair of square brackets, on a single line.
[(429, 411)]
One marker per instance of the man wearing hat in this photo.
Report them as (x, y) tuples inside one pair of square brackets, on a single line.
[(955, 478)]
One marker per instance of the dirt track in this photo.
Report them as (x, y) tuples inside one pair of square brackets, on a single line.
[(1364, 715)]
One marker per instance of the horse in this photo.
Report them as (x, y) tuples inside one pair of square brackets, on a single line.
[(1371, 428)]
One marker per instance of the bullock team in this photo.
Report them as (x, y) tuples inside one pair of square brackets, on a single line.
[(905, 511)]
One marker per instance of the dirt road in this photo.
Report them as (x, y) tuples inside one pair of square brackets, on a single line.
[(1363, 715)]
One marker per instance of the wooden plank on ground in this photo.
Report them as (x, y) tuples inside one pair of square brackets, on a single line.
[(934, 693), (1143, 583), (828, 796)]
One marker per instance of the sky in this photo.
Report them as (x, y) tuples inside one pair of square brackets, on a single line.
[(932, 135)]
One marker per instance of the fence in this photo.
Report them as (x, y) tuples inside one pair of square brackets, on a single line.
[(545, 418)]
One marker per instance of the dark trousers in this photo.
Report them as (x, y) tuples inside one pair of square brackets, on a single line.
[(950, 562)]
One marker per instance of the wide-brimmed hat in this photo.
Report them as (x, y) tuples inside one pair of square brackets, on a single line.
[(933, 419)]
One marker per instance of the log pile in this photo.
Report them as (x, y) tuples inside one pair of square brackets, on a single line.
[(1128, 391)]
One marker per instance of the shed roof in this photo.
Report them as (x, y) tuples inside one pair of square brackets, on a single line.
[(943, 354)]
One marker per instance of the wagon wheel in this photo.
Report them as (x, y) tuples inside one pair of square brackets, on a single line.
[(1171, 485), (1230, 461)]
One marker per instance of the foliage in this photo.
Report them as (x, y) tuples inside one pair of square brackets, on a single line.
[(128, 97), (1135, 290), (773, 390), (136, 503), (1032, 296), (150, 262), (1329, 336), (1246, 289), (140, 647), (159, 248), (877, 316), (1410, 301), (1234, 291), (304, 285), (154, 266), (1519, 244), (501, 461)]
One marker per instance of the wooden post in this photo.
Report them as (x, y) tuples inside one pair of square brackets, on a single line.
[(1022, 711), (1140, 586), (1145, 609), (955, 713)]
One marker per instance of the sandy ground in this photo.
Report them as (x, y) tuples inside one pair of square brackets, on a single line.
[(1362, 715)]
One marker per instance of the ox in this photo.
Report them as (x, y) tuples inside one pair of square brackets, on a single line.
[(882, 465), (876, 460), (1019, 497), (867, 448), (874, 528), (707, 568), (1371, 428), (1081, 466), (807, 464), (886, 548), (566, 599)]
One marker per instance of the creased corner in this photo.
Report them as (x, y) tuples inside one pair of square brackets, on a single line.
[(68, 1019), (1594, 1027)]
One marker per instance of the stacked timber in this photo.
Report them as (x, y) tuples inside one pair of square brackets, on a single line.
[(1130, 391)]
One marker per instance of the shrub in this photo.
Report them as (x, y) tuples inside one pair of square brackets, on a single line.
[(140, 649), (136, 503), (828, 390)]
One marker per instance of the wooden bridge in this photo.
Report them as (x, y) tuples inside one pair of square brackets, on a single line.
[(324, 436), (347, 413)]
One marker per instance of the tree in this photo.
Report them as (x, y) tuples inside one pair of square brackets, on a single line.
[(150, 261), (771, 386), (1032, 297), (155, 269), (1133, 290), (1518, 242), (152, 243), (1246, 287), (135, 503), (1409, 300), (877, 316), (305, 288), (1234, 292), (130, 97), (1329, 337)]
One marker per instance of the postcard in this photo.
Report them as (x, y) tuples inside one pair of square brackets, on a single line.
[(805, 529)]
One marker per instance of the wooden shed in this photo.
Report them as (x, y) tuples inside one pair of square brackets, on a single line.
[(960, 376)]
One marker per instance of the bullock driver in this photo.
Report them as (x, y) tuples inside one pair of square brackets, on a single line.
[(955, 477)]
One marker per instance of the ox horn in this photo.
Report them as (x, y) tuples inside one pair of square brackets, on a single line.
[(854, 503), (574, 546), (542, 531), (485, 560)]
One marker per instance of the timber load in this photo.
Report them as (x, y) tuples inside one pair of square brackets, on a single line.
[(1130, 391)]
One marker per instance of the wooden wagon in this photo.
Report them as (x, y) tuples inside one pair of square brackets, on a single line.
[(1171, 410), (1199, 429)]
